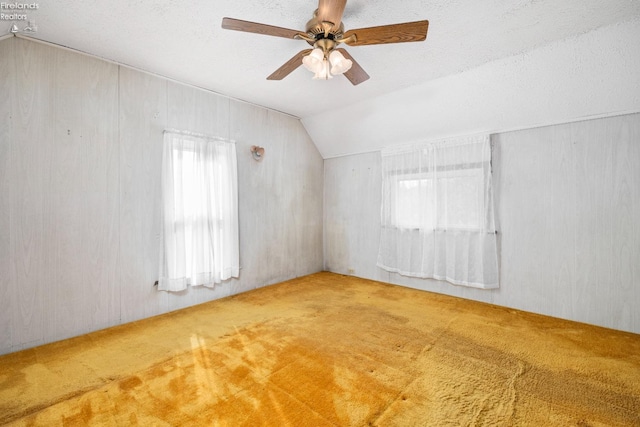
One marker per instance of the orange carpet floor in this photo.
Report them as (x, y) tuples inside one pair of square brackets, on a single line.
[(330, 350)]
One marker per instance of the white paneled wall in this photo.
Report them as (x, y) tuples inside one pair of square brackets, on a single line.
[(7, 83), (142, 118), (281, 205), (30, 202), (80, 161), (80, 157), (79, 191), (568, 212), (353, 193)]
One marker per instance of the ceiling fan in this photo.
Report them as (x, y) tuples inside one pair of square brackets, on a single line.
[(325, 32)]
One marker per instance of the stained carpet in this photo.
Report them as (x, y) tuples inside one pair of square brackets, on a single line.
[(330, 350)]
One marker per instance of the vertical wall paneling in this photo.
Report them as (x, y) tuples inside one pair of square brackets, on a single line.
[(623, 220), (536, 197), (605, 165), (142, 119), (520, 172), (560, 225), (7, 277), (257, 186), (101, 204), (594, 151), (309, 203), (567, 204), (283, 234), (66, 187), (352, 230), (80, 192), (280, 233), (31, 153), (634, 183), (62, 197), (280, 198)]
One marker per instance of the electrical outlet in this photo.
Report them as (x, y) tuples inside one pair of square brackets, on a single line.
[(352, 271)]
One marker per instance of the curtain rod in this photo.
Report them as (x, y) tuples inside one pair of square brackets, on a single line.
[(198, 135)]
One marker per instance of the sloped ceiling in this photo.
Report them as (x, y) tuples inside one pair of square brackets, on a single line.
[(184, 41)]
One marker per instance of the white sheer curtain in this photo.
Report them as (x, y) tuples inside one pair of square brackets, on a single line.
[(437, 212), (199, 211)]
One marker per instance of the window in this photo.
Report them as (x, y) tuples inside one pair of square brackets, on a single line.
[(437, 212), (200, 211), (448, 199)]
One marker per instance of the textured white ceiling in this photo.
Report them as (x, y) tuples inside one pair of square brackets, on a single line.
[(184, 41)]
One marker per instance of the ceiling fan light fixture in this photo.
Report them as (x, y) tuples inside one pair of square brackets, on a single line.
[(314, 61), (324, 73), (339, 64)]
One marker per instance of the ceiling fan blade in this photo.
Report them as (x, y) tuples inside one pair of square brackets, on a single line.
[(254, 27), (289, 66), (356, 74), (395, 33), (331, 11)]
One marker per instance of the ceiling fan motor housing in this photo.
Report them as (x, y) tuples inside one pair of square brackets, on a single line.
[(317, 29)]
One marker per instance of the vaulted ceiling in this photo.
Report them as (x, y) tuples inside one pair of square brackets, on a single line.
[(184, 41)]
